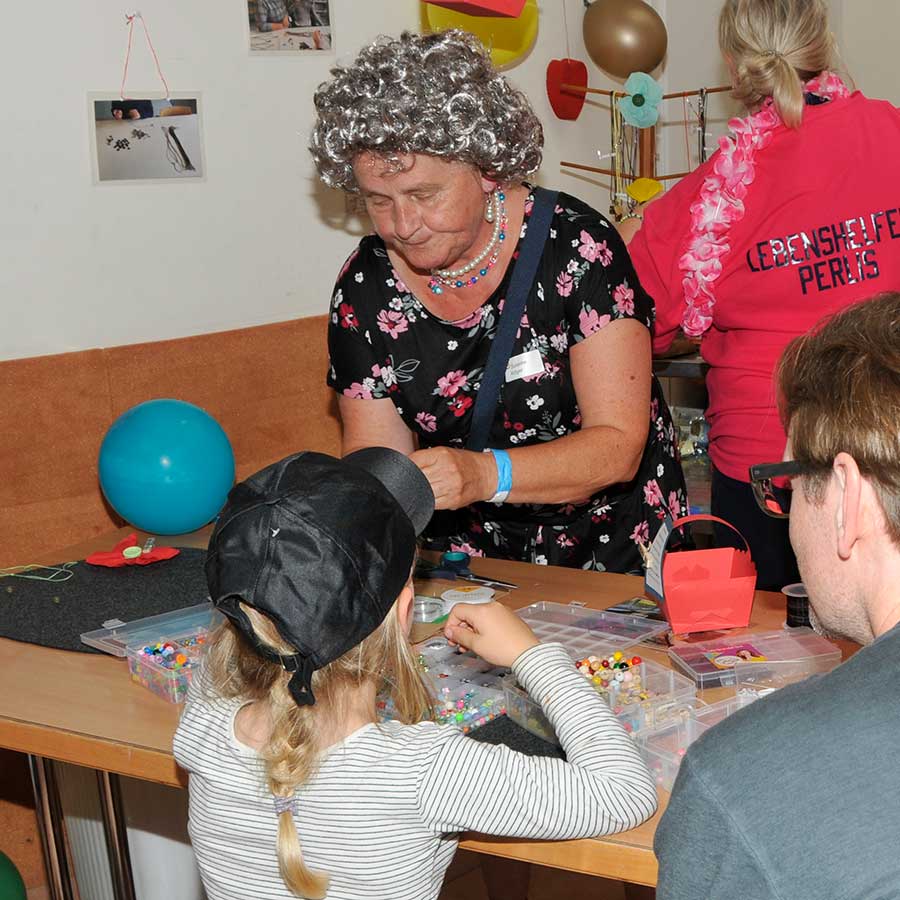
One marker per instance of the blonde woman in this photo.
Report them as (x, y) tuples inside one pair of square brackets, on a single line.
[(796, 216), (295, 789)]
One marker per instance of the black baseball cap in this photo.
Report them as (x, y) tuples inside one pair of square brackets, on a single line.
[(323, 547)]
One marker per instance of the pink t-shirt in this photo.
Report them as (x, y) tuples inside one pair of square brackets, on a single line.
[(821, 231)]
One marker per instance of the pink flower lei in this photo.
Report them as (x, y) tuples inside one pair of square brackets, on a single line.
[(721, 202)]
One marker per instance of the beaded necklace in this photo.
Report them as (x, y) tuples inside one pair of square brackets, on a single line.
[(453, 278)]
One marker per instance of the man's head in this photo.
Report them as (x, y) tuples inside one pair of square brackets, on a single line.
[(840, 402)]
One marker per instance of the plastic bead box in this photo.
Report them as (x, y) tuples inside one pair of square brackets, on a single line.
[(663, 748), (761, 678), (162, 651), (580, 628), (601, 642), (711, 663), (468, 691)]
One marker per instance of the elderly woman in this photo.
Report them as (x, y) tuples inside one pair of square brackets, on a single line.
[(583, 464), (795, 217)]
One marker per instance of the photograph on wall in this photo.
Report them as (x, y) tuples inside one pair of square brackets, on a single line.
[(146, 139), (289, 26)]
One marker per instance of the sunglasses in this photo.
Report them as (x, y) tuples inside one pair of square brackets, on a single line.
[(775, 501)]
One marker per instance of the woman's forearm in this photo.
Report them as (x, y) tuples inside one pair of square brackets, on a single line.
[(572, 468)]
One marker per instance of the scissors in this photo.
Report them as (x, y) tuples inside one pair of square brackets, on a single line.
[(455, 564)]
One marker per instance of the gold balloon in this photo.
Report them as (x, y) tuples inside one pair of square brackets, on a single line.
[(624, 36)]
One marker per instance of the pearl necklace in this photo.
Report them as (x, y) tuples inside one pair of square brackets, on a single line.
[(441, 278)]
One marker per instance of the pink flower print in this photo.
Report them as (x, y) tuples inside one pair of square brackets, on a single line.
[(654, 409), (392, 322), (588, 249), (459, 404), (674, 505), (590, 321), (472, 320), (529, 203), (641, 533), (426, 421), (450, 384), (652, 493), (564, 284), (593, 251), (624, 297), (386, 373), (348, 316), (401, 286), (466, 548), (564, 540), (358, 391)]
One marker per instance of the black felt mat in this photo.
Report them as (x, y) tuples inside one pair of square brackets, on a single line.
[(55, 614), (503, 730)]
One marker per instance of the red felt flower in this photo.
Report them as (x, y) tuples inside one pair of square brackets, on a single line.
[(128, 553)]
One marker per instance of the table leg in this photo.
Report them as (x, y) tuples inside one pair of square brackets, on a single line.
[(116, 835), (50, 827)]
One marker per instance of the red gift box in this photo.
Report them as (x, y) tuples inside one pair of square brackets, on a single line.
[(701, 590), (510, 8)]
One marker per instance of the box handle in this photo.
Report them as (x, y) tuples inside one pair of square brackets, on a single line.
[(704, 517)]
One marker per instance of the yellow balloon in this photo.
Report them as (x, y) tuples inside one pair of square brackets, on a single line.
[(507, 39)]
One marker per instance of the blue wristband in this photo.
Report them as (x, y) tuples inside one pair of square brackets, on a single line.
[(504, 475)]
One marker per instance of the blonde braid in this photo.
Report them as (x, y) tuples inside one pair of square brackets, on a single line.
[(291, 753)]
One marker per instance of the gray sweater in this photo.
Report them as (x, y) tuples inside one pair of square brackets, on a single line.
[(796, 797)]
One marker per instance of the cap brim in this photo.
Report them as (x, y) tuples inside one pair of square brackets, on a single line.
[(402, 477)]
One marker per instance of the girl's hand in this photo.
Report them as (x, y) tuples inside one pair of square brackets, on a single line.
[(457, 477), (491, 630)]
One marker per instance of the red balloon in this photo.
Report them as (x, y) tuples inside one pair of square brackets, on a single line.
[(566, 104)]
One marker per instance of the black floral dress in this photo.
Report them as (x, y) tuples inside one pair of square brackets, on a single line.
[(384, 343)]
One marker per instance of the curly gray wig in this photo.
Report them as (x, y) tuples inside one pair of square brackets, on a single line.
[(436, 94)]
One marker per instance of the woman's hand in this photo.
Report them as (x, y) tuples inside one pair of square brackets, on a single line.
[(457, 477), (491, 630)]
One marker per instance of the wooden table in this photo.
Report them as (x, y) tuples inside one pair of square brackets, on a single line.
[(84, 709)]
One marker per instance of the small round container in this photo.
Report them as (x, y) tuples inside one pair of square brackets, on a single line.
[(427, 609), (797, 606)]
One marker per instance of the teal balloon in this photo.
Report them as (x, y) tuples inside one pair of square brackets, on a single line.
[(11, 885), (166, 466)]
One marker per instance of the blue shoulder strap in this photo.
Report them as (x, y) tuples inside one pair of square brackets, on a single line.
[(513, 306)]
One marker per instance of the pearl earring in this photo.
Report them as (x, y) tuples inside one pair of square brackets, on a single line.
[(489, 209)]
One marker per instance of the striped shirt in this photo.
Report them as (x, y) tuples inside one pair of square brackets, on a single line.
[(384, 810)]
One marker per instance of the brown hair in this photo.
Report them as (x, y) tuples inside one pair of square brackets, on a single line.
[(291, 753), (840, 391), (774, 46)]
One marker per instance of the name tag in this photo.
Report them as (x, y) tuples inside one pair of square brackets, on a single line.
[(524, 365)]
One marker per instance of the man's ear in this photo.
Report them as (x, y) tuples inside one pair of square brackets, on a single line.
[(848, 514)]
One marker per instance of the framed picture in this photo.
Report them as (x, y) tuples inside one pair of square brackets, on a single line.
[(290, 26), (146, 138)]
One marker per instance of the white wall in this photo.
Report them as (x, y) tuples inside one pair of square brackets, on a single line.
[(868, 33), (85, 265)]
